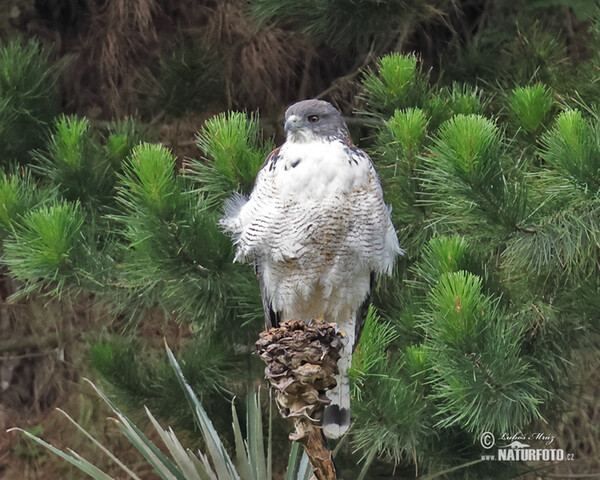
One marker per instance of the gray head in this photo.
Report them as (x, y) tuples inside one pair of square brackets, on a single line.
[(311, 120)]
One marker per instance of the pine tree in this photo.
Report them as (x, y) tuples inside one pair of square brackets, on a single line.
[(494, 194), (28, 98), (500, 276)]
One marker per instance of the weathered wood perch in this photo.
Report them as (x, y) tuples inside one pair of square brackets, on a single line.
[(301, 362)]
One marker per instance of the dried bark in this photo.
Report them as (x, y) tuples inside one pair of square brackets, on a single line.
[(301, 362)]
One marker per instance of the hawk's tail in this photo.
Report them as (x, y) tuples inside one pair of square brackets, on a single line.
[(336, 419)]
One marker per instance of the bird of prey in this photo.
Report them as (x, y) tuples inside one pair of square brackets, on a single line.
[(318, 232)]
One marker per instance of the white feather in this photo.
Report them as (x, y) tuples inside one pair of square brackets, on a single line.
[(321, 170), (232, 208), (317, 223)]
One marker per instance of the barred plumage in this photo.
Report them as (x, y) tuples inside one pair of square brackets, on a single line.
[(318, 231)]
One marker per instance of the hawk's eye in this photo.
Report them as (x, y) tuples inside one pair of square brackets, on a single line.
[(313, 118)]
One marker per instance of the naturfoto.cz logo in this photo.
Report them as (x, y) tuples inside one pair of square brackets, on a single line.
[(520, 448)]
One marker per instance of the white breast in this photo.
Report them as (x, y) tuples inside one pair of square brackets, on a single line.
[(317, 170), (317, 225)]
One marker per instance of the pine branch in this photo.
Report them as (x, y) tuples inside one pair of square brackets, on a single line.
[(467, 186), (29, 98)]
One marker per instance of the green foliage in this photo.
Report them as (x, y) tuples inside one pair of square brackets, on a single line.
[(457, 310), (562, 246), (530, 106), (82, 163), (392, 394), (408, 128), (58, 214), (371, 350), (28, 98), (176, 248), (526, 46), (183, 81), (471, 343), (18, 195), (538, 55), (391, 417), (233, 146), (76, 164), (582, 8), (559, 247), (464, 99), (251, 462), (141, 376), (572, 148), (443, 103), (120, 138), (441, 255), (44, 242), (467, 181), (399, 146), (502, 272), (152, 186), (462, 364), (469, 146), (364, 23), (12, 193), (397, 83)]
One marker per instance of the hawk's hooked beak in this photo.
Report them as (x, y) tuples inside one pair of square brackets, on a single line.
[(292, 124)]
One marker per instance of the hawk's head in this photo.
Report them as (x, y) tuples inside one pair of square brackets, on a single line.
[(311, 120)]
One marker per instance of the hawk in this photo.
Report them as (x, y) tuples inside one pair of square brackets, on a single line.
[(318, 232)]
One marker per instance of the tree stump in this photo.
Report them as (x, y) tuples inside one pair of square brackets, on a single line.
[(301, 362)]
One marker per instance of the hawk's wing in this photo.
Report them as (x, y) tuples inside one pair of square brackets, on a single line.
[(272, 318)]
